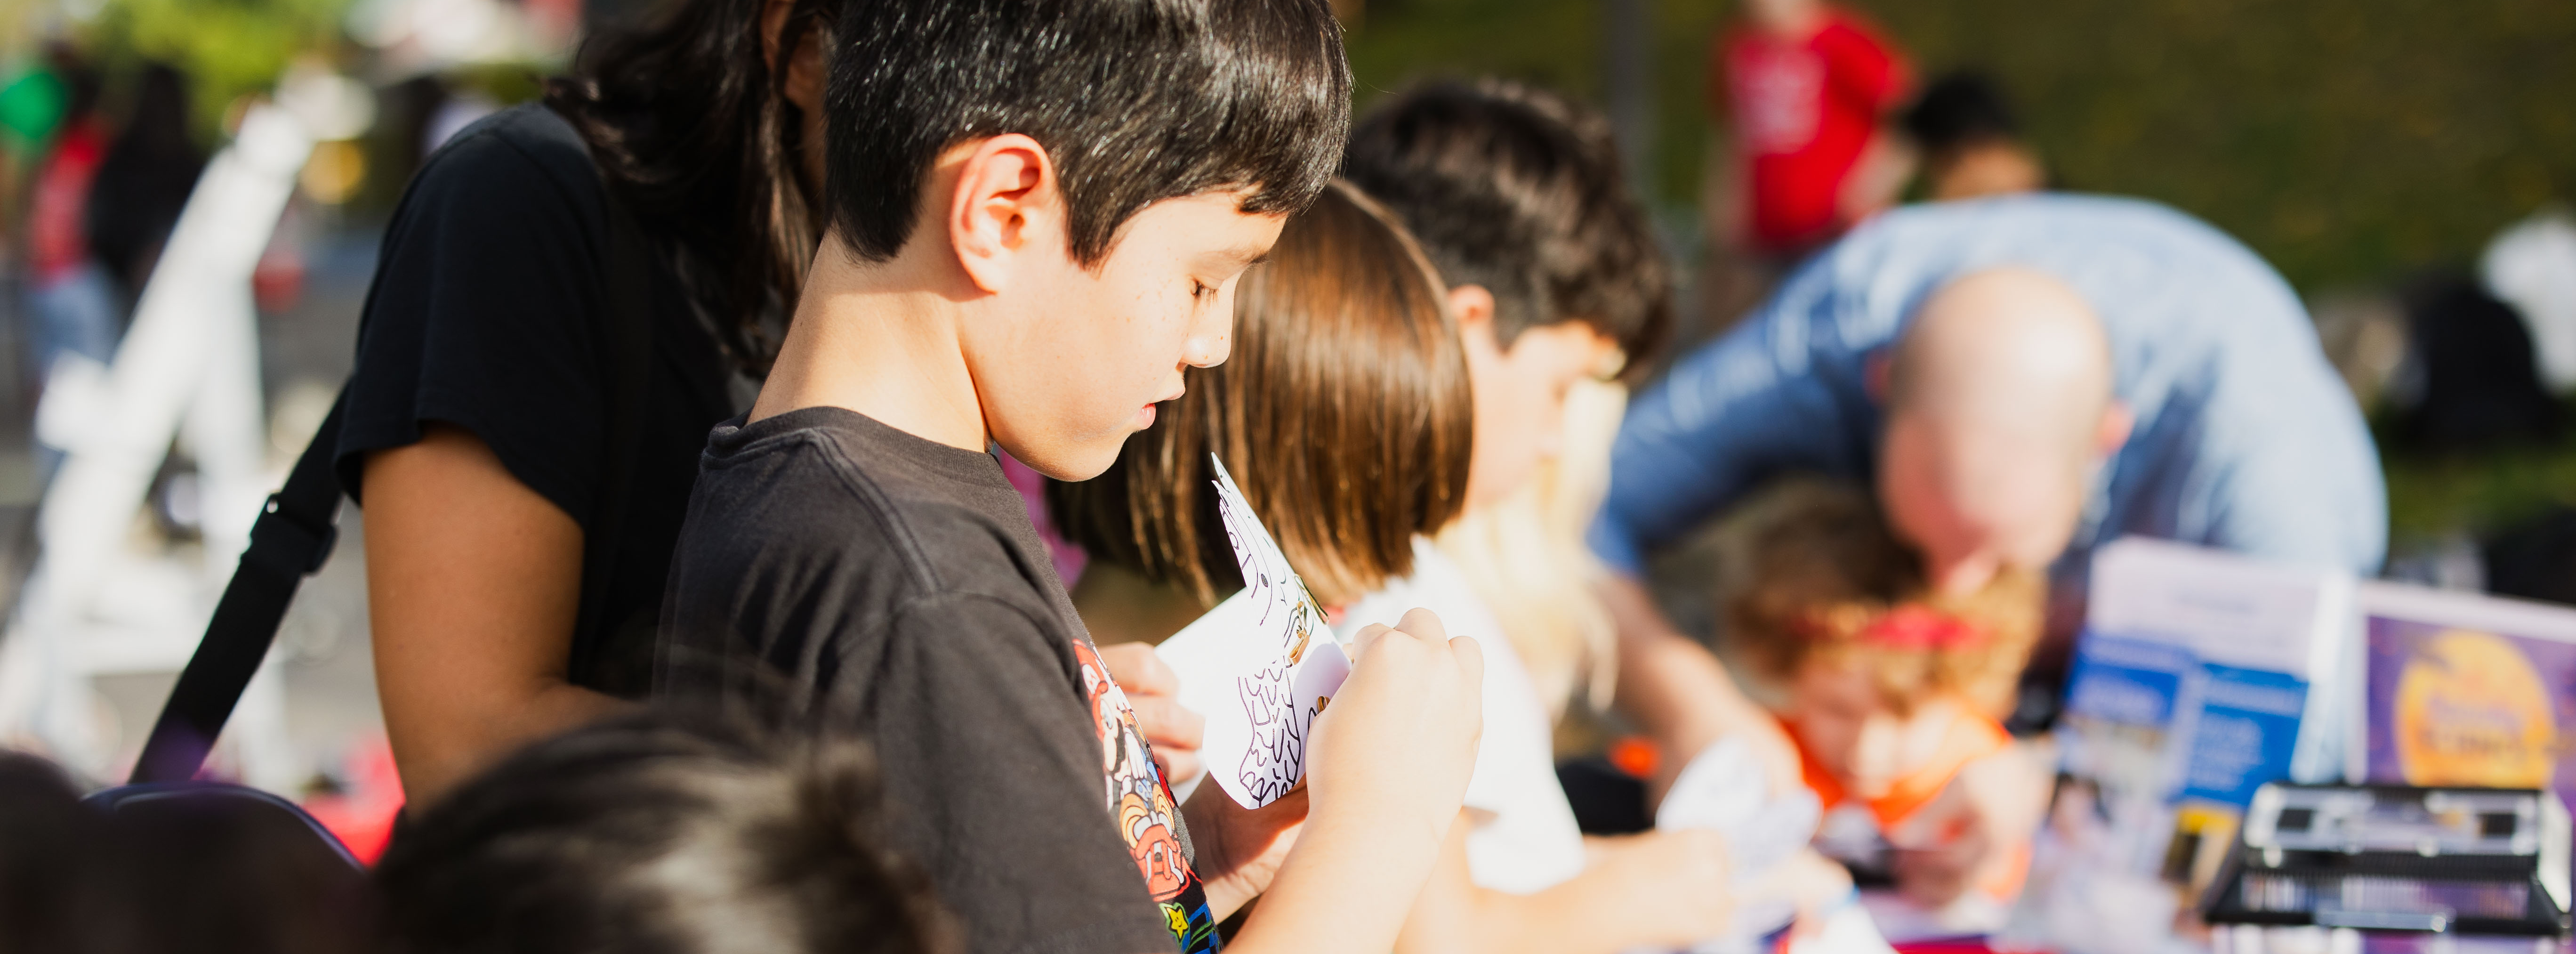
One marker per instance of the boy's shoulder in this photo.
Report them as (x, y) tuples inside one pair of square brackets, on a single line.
[(827, 491), (829, 546)]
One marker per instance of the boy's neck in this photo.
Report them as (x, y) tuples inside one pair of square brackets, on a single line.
[(881, 339)]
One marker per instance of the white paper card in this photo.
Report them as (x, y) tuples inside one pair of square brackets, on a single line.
[(1724, 789), (1260, 666)]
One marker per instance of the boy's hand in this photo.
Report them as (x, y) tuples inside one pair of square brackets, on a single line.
[(1153, 691), (1395, 748), (1680, 880), (1239, 849)]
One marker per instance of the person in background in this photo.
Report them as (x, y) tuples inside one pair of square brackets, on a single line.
[(1348, 413), (1524, 555), (669, 830), (507, 600), (31, 107), (1517, 196), (1969, 142), (1806, 88), (2022, 379), (71, 297), (143, 181), (1891, 692)]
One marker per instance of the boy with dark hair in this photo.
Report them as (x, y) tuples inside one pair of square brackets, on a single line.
[(1518, 190), (1516, 195), (666, 829), (1039, 215)]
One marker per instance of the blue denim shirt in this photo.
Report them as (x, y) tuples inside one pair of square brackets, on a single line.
[(2246, 439)]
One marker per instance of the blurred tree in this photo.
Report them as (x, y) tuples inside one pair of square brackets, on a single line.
[(227, 48)]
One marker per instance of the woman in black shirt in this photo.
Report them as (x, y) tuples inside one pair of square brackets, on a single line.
[(515, 550)]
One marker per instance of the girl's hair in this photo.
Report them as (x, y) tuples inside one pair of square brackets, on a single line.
[(666, 830), (1816, 576), (1526, 557), (689, 124), (1343, 413)]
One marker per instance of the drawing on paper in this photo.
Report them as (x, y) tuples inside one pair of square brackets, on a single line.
[(1283, 664)]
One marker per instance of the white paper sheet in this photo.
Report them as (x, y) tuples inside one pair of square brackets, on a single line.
[(1260, 666), (1724, 789)]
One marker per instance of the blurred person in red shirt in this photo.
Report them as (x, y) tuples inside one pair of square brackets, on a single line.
[(1807, 87), (72, 305)]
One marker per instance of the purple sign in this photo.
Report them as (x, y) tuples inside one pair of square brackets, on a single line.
[(2453, 705)]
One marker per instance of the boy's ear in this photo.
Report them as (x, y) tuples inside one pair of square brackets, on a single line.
[(1005, 205)]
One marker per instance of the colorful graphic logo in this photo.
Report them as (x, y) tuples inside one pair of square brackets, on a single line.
[(2471, 710)]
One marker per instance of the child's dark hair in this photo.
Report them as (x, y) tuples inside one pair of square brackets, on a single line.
[(1818, 576), (1136, 101), (1962, 108), (1344, 412), (1519, 190), (666, 831), (168, 871)]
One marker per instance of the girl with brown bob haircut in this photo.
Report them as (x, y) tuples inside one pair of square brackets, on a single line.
[(1343, 413)]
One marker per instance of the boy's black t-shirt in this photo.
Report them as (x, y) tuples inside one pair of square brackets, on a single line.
[(895, 585), (489, 313)]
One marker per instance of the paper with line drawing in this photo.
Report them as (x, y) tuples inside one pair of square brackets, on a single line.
[(1260, 667)]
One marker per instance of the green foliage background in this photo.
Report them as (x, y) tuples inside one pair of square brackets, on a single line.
[(2347, 140), (228, 48)]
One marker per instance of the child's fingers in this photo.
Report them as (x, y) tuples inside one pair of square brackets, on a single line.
[(1419, 624), (1138, 671), (1368, 637), (1166, 723), (1471, 658), (1423, 624), (1178, 765)]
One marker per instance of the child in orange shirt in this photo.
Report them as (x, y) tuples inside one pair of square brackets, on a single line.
[(1892, 693)]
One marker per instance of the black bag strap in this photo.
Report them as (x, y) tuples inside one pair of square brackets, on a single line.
[(296, 530), (291, 539)]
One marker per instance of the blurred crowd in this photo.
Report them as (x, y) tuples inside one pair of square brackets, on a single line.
[(1810, 514)]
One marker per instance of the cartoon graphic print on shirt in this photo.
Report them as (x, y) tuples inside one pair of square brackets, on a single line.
[(1143, 807)]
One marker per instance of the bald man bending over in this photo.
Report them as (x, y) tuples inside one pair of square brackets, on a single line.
[(2023, 379), (1997, 408)]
